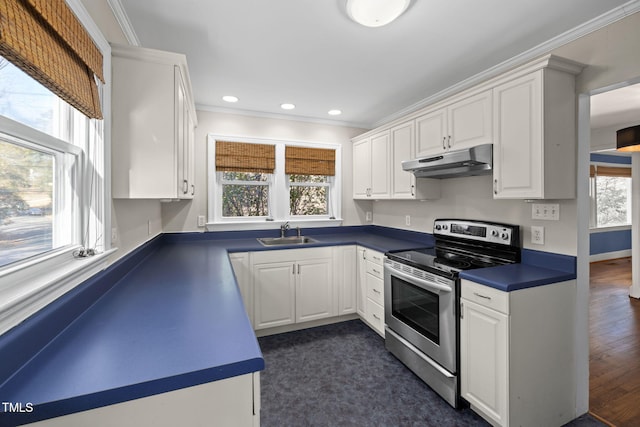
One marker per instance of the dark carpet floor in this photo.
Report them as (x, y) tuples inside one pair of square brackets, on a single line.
[(341, 375)]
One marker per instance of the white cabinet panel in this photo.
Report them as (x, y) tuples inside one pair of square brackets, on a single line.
[(274, 290), (361, 169), (344, 263), (314, 290), (240, 263), (431, 133), (380, 166), (153, 123)]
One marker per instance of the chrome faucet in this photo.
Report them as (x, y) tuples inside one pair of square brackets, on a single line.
[(283, 228)]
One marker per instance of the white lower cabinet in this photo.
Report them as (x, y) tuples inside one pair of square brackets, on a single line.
[(292, 286), (345, 278), (517, 352), (370, 288)]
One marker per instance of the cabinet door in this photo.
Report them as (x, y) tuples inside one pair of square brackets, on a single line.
[(470, 122), (403, 183), (517, 151), (484, 360), (274, 294), (181, 137), (431, 133), (380, 181), (314, 289), (361, 282), (361, 169)]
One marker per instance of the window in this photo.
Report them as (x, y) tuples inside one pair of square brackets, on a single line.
[(308, 195), (38, 173), (256, 180), (52, 147), (245, 194), (610, 193)]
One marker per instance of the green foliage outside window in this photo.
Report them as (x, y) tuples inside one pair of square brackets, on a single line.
[(308, 199)]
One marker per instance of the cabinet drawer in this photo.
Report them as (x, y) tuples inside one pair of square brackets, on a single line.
[(375, 270), (374, 256), (375, 316), (485, 296), (375, 289)]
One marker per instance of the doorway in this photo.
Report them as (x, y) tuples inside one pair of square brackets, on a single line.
[(614, 317)]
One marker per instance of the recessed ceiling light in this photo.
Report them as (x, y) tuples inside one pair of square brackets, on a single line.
[(287, 106), (335, 112), (230, 98), (375, 13)]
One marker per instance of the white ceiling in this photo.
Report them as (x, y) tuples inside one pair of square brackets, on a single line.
[(309, 53), (616, 107)]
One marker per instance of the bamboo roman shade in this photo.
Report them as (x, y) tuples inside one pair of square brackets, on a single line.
[(597, 170), (45, 39), (310, 161), (245, 157)]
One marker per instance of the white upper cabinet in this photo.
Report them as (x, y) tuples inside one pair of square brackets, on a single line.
[(371, 167), (404, 185), (534, 145), (463, 124), (153, 125)]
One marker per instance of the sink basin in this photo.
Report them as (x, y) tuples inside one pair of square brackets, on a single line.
[(293, 240)]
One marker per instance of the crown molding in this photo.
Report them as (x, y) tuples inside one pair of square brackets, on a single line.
[(262, 114), (124, 22), (547, 47)]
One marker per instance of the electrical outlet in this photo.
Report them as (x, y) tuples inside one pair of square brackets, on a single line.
[(537, 235), (407, 220), (114, 235), (201, 222), (369, 216)]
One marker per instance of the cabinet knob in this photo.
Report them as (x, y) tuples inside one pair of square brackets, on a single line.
[(185, 186), (193, 189), (444, 145), (495, 186), (413, 193), (449, 142)]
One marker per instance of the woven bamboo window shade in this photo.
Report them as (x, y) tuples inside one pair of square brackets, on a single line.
[(245, 157), (45, 39), (310, 161), (614, 171)]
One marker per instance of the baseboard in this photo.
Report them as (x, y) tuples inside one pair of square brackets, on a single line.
[(304, 325), (610, 255)]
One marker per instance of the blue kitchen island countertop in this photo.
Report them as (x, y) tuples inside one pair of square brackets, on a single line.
[(513, 277)]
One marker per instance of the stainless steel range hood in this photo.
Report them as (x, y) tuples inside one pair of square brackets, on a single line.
[(476, 160)]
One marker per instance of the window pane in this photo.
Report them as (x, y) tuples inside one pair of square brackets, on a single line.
[(613, 201), (308, 178), (26, 201), (245, 200), (308, 200), (244, 176), (26, 101)]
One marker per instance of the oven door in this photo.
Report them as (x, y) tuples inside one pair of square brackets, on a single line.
[(422, 311)]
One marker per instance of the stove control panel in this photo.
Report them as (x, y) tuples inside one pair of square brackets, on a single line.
[(482, 231)]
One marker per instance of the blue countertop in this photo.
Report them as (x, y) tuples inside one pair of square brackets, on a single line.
[(173, 318), (512, 277)]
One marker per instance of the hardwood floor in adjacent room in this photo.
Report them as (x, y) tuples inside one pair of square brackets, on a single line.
[(614, 329)]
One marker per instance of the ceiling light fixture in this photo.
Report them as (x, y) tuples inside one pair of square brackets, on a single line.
[(375, 13), (230, 98), (628, 139), (287, 106), (334, 112)]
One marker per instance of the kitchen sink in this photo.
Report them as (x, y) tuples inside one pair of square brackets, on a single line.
[(293, 240)]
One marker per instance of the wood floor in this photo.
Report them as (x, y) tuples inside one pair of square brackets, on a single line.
[(614, 329)]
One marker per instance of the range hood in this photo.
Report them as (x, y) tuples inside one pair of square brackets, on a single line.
[(476, 160)]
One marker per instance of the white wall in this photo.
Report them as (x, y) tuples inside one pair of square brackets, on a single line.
[(182, 216)]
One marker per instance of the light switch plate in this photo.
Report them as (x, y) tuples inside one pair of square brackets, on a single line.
[(201, 222), (545, 211)]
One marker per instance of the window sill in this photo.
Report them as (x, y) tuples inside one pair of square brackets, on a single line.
[(24, 291), (267, 225), (611, 228)]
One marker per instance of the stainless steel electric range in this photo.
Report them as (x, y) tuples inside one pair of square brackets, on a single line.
[(422, 292)]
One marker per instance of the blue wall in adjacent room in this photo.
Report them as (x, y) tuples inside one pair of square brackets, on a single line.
[(609, 241)]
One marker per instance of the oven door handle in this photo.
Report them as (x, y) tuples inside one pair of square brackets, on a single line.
[(425, 284)]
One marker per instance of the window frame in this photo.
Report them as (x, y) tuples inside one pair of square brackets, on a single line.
[(221, 182), (279, 190), (329, 184), (593, 197)]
